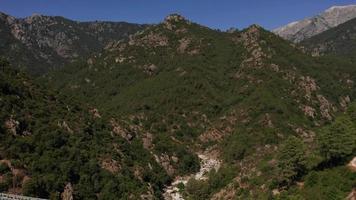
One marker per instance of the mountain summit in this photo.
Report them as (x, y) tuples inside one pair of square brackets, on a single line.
[(304, 29)]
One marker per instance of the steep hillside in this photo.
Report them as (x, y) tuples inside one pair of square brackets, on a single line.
[(339, 41), (304, 29), (238, 96), (53, 147), (41, 43)]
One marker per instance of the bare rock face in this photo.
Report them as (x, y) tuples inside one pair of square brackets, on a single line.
[(309, 111), (304, 29), (309, 86), (117, 129), (183, 45), (150, 69), (12, 125), (325, 107), (65, 126), (147, 140), (352, 164), (110, 165), (67, 194), (250, 39), (95, 113), (352, 195), (151, 39), (165, 161), (211, 135), (171, 20), (344, 101)]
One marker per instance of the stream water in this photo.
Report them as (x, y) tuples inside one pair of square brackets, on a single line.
[(207, 163)]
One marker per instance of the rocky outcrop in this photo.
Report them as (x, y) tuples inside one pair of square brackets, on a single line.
[(326, 107), (344, 101), (110, 165), (332, 17), (19, 177), (309, 86), (150, 69), (171, 21), (95, 113), (12, 125), (65, 126), (211, 135), (147, 140), (117, 129), (352, 164), (165, 161), (208, 162), (67, 193), (149, 40), (352, 195), (309, 111), (250, 39)]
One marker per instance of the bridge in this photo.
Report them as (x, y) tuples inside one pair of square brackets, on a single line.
[(4, 196)]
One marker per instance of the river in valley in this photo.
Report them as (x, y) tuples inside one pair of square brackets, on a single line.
[(207, 163)]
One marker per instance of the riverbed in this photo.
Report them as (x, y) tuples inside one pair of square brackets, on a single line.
[(207, 163)]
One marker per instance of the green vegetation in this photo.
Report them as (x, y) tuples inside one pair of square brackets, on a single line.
[(51, 42), (269, 109), (330, 178), (55, 141), (335, 183), (220, 86), (291, 160), (337, 141)]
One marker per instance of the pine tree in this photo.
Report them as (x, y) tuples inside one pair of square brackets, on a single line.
[(291, 160), (337, 140)]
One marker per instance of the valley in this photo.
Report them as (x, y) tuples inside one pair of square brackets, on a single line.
[(177, 110), (207, 163)]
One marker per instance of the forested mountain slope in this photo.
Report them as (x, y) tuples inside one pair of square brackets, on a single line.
[(40, 43), (338, 41), (245, 96), (53, 146)]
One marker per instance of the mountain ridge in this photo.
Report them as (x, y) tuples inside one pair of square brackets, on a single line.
[(137, 117), (306, 28), (337, 41), (48, 42), (239, 95)]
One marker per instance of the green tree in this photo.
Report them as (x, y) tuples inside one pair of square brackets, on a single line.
[(337, 140), (4, 63), (291, 160)]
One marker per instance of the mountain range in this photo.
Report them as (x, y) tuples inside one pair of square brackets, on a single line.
[(306, 28), (42, 43), (338, 41), (176, 110)]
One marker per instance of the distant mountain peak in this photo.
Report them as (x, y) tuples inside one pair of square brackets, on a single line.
[(255, 27), (174, 18), (333, 8), (36, 15), (306, 28)]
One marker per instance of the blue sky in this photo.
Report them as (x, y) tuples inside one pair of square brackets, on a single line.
[(221, 14)]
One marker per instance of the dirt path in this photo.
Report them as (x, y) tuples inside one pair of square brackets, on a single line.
[(207, 163)]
